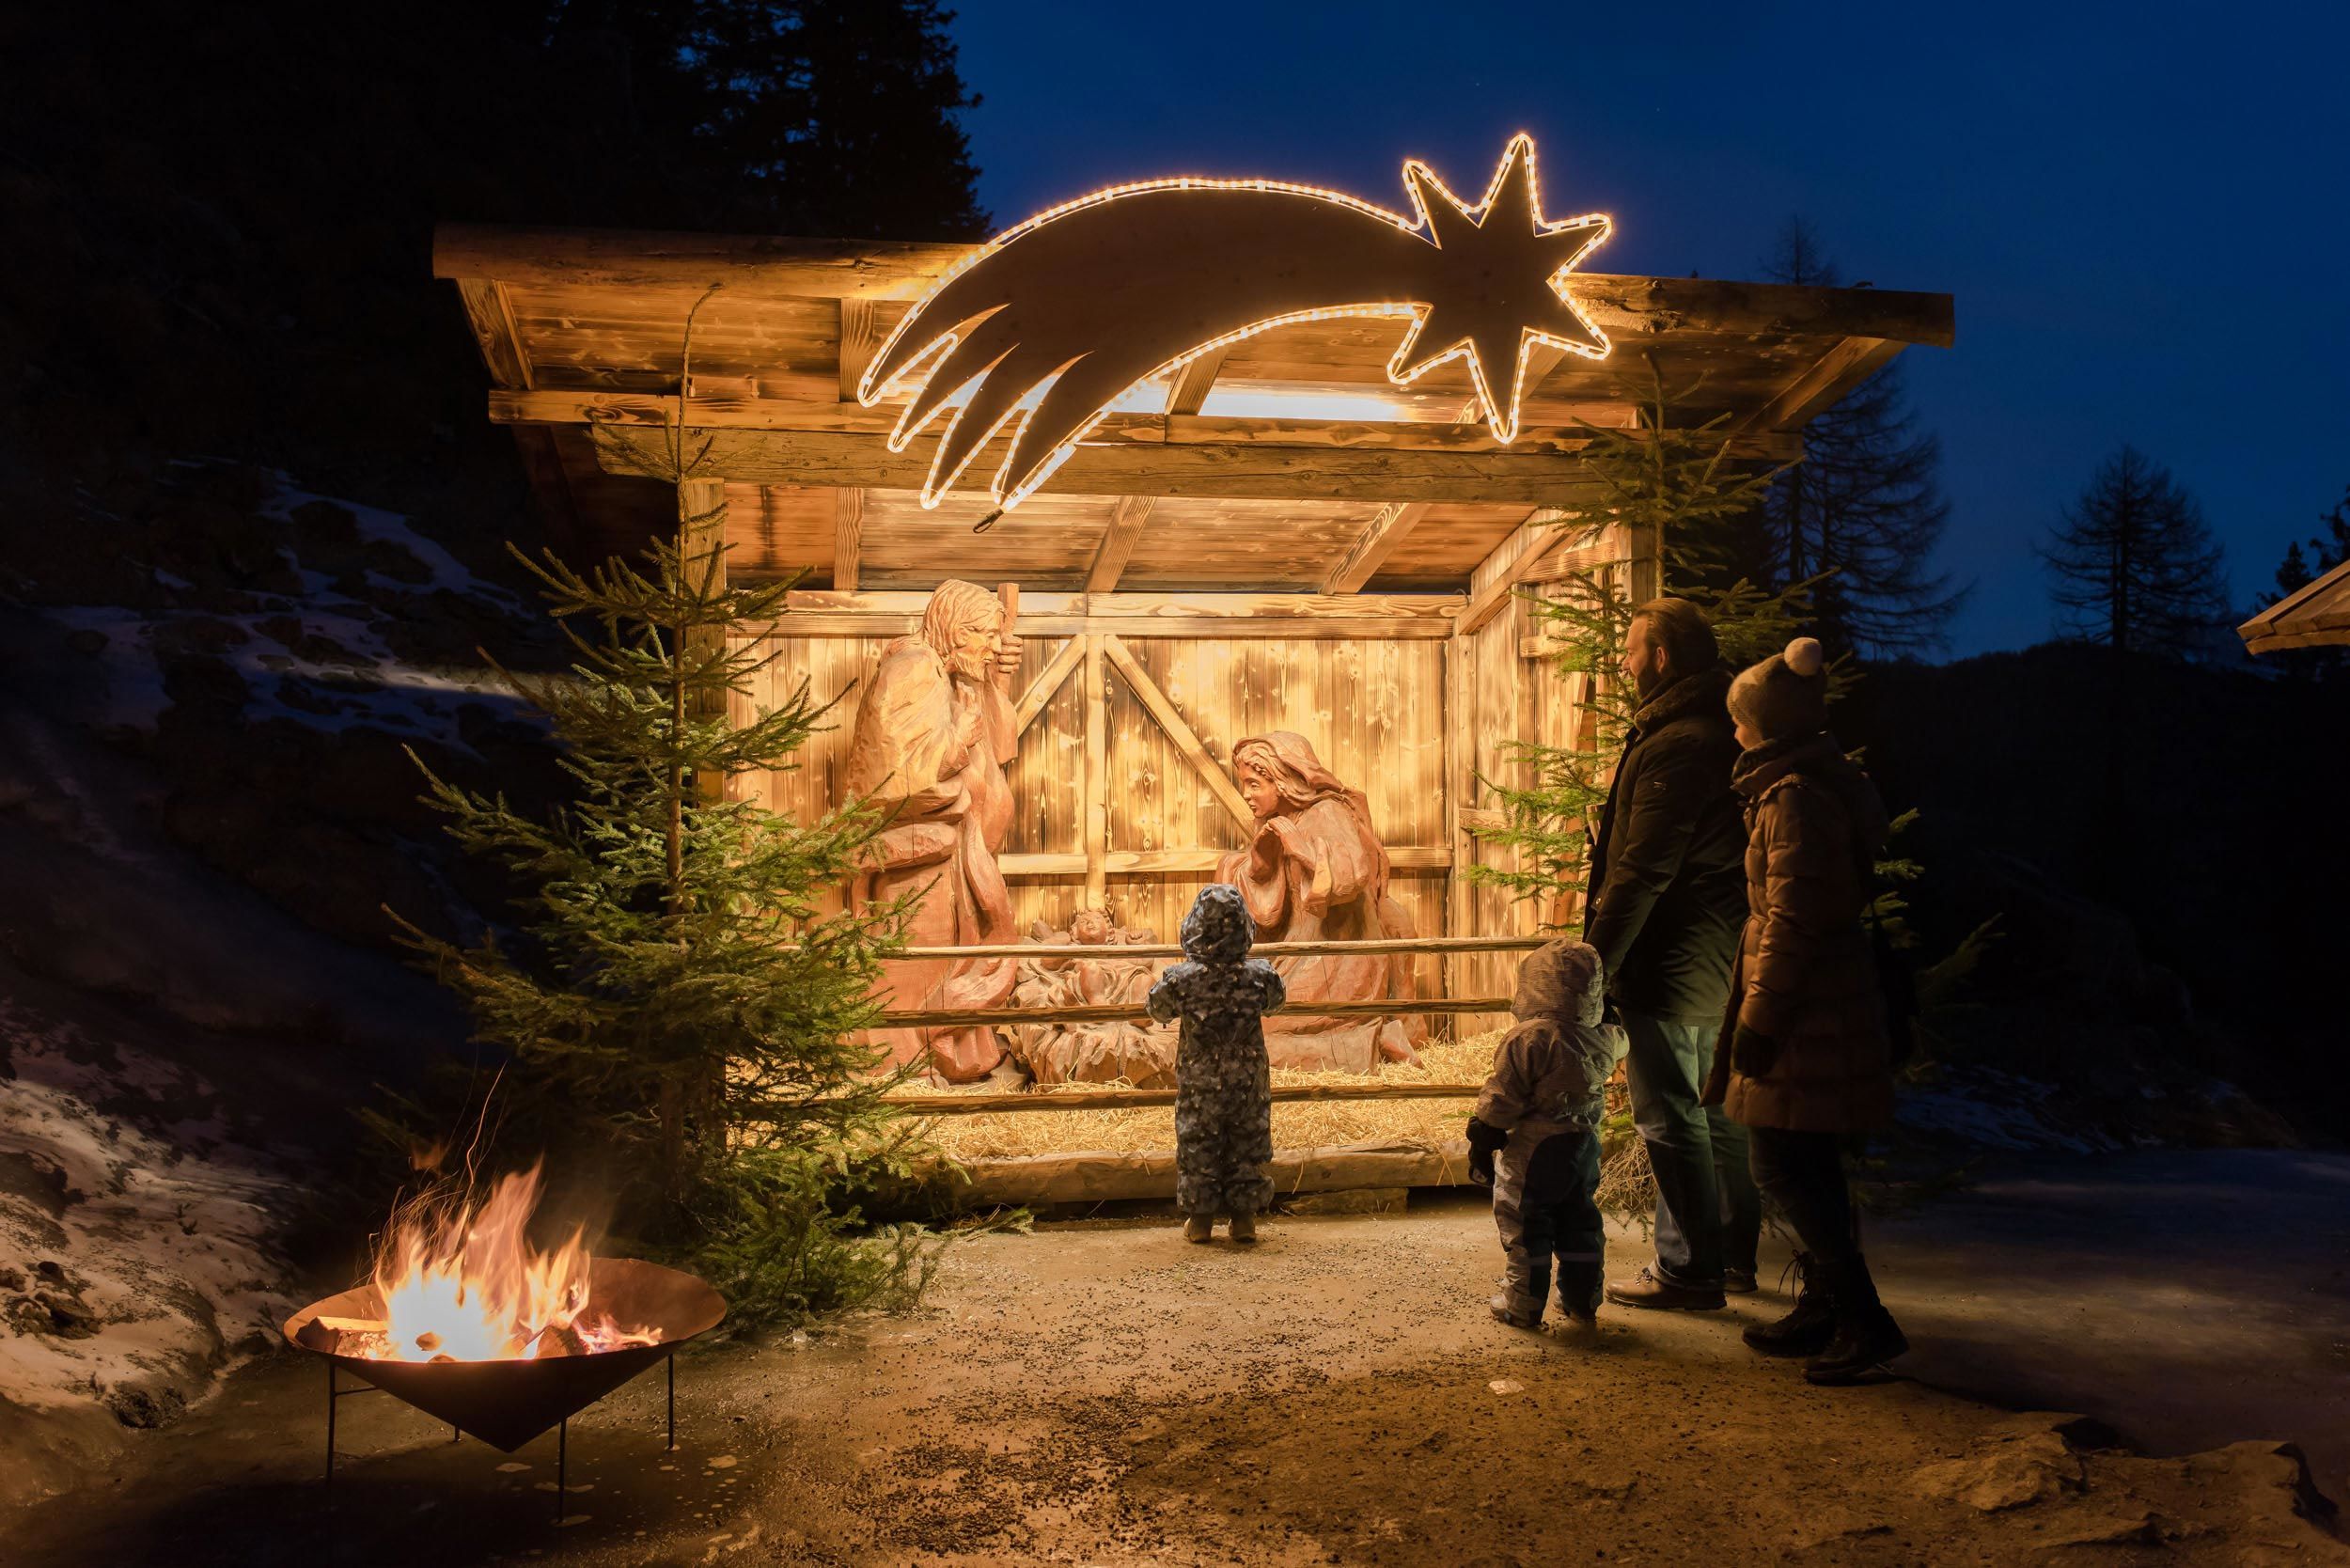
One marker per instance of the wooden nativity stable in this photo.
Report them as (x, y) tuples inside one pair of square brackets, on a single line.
[(1271, 533)]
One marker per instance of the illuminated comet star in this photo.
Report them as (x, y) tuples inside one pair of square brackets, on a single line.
[(1052, 322)]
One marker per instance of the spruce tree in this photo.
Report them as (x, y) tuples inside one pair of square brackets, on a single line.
[(676, 1008), (2133, 565), (1862, 514), (1677, 485)]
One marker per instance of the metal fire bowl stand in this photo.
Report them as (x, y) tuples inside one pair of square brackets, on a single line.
[(507, 1404)]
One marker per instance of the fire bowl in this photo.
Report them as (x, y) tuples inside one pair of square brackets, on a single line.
[(507, 1404)]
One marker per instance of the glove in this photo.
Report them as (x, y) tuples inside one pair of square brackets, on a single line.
[(1752, 1052), (1485, 1141)]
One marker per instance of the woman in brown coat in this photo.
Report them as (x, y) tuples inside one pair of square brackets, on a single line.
[(1803, 1061)]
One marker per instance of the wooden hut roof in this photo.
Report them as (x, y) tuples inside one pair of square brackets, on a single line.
[(2317, 615), (1287, 464)]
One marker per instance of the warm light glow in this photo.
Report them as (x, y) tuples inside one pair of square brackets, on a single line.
[(462, 1282), (1515, 174)]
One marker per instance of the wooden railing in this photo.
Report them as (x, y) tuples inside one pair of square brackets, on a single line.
[(1128, 1099)]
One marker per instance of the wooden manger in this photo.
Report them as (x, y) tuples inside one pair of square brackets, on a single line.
[(1269, 533)]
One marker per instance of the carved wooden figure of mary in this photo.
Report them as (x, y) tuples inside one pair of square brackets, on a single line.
[(1314, 869)]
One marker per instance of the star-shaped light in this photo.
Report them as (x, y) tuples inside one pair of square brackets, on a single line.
[(1497, 288)]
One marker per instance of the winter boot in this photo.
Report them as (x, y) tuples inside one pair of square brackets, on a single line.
[(1866, 1335), (1505, 1310), (1808, 1329), (1243, 1226), (1199, 1227)]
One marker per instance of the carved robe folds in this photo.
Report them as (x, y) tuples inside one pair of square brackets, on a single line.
[(932, 735)]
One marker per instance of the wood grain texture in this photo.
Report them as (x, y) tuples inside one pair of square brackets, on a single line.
[(1386, 529), (491, 318), (1117, 542), (848, 536)]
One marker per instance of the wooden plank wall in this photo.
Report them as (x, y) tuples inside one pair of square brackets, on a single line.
[(1418, 724)]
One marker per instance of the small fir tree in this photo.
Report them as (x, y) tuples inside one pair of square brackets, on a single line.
[(1677, 485), (677, 1008)]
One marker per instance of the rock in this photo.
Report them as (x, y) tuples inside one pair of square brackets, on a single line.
[(85, 640), (144, 1408), (2011, 1471), (69, 1318), (1505, 1385)]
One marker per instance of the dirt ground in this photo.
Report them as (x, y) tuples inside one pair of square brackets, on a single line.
[(1101, 1392)]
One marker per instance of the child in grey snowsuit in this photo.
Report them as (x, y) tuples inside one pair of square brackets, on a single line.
[(1534, 1137), (1223, 1088)]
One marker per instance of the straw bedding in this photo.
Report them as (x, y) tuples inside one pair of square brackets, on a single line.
[(1297, 1124), (1624, 1182)]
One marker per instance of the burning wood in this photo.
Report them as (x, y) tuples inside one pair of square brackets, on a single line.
[(461, 1282)]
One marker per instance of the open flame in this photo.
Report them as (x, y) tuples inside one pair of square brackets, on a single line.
[(461, 1281)]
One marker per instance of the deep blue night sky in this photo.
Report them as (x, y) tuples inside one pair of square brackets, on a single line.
[(2142, 211)]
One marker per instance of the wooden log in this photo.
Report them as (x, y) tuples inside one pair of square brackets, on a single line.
[(1112, 1012), (1102, 1176), (1140, 1099), (490, 315), (1179, 730), (1365, 617), (1264, 949)]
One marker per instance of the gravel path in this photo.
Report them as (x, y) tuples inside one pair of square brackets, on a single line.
[(1104, 1393)]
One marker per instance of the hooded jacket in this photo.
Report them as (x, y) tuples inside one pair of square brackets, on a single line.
[(1551, 1070), (1667, 891), (1806, 970)]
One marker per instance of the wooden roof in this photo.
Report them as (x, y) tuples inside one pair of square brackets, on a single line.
[(1288, 464), (2316, 616)]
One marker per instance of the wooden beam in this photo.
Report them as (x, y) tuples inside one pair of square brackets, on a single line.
[(701, 510), (491, 317), (1179, 730), (1241, 471), (1369, 616), (1048, 680), (1058, 1099), (1494, 598), (1095, 809), (1193, 381), (848, 539), (1392, 524), (1835, 373), (1645, 311), (860, 340), (1110, 1013), (1099, 1176), (1311, 948), (1117, 542), (624, 411), (1408, 859)]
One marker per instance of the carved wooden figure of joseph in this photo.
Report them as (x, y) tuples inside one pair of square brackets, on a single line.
[(933, 733), (1315, 869)]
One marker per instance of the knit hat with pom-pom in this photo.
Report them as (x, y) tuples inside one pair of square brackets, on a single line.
[(1786, 695)]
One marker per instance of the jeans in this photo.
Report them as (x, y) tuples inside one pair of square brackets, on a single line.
[(1708, 1215), (1804, 1174)]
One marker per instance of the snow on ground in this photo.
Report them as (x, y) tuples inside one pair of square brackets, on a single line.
[(134, 1259), (321, 657)]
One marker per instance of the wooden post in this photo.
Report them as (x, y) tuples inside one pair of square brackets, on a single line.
[(701, 517), (1095, 802)]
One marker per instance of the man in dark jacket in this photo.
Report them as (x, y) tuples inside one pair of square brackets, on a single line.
[(1668, 901)]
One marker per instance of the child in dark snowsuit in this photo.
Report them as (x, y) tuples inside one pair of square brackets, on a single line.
[(1223, 1088), (1534, 1137)]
